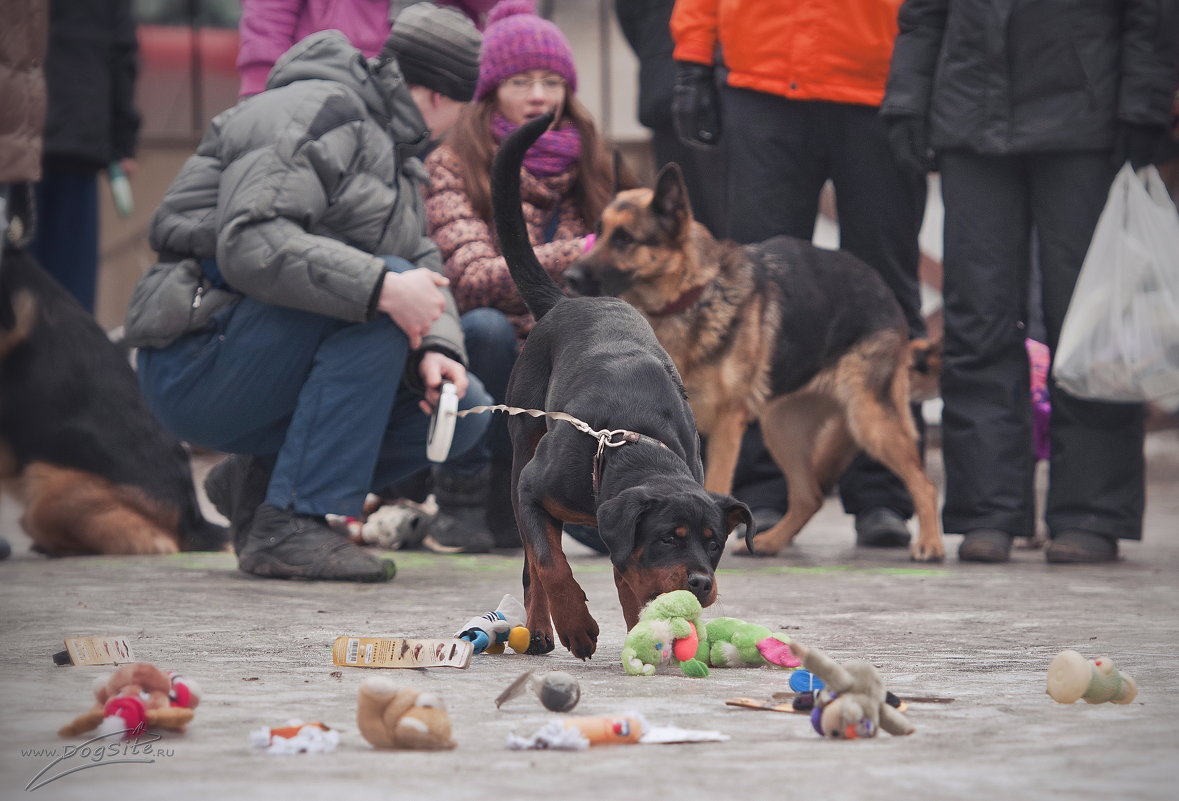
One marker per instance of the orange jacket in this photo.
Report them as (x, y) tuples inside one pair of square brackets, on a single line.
[(835, 50)]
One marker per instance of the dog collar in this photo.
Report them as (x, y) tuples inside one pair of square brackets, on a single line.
[(685, 300), (615, 439)]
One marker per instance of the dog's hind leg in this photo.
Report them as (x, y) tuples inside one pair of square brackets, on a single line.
[(724, 446), (792, 428), (70, 513), (883, 426)]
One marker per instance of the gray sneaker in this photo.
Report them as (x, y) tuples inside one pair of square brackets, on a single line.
[(282, 544)]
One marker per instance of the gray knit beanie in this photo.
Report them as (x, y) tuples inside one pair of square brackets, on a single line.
[(437, 48)]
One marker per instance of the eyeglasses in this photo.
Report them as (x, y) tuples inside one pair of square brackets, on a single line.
[(520, 84)]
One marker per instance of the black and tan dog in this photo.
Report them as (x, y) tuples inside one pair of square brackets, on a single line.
[(597, 360), (95, 471), (811, 342)]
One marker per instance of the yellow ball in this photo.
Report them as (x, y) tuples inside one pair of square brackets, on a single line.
[(519, 638)]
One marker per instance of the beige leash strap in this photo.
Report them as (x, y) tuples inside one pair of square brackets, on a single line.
[(607, 438)]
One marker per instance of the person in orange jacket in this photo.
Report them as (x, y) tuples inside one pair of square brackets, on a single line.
[(799, 105)]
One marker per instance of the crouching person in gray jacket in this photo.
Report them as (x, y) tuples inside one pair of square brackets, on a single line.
[(298, 317)]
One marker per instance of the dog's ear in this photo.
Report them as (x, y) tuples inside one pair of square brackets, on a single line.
[(734, 512), (670, 202), (618, 518), (617, 171)]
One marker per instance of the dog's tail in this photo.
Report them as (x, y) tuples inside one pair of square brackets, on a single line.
[(539, 290)]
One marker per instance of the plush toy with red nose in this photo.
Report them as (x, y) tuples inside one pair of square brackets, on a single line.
[(137, 697), (852, 704)]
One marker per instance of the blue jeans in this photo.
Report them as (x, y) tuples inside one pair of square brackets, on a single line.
[(66, 230), (324, 397), (491, 350)]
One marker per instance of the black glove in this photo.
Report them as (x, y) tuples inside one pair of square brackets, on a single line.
[(695, 105), (909, 140), (1137, 144)]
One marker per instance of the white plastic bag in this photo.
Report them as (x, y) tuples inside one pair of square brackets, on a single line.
[(1120, 338)]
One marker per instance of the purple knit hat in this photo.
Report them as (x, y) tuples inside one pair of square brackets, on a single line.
[(517, 40)]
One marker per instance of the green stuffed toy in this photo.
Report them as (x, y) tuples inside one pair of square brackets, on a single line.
[(669, 632), (733, 642)]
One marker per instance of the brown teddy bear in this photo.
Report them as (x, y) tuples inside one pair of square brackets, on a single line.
[(136, 697), (401, 718)]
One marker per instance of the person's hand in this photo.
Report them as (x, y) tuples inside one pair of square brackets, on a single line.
[(1136, 144), (437, 369), (413, 301), (695, 105), (129, 166), (908, 138)]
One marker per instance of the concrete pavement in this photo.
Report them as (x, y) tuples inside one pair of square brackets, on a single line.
[(981, 635)]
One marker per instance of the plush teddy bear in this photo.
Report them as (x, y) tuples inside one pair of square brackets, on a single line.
[(852, 704), (401, 718), (669, 632), (135, 697)]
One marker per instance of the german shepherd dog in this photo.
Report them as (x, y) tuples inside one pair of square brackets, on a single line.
[(639, 479), (810, 342), (95, 471)]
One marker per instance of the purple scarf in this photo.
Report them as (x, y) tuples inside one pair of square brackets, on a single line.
[(553, 152)]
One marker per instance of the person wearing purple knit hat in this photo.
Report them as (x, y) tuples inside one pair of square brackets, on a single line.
[(526, 69)]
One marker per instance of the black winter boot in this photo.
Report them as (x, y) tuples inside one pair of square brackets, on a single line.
[(500, 516), (237, 487), (282, 544), (459, 525)]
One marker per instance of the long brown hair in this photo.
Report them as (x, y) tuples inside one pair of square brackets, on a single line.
[(472, 142)]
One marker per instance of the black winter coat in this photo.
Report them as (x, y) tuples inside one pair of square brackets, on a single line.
[(1025, 76), (90, 72)]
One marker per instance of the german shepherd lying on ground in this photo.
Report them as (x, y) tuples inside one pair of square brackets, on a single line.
[(639, 480), (810, 342), (95, 471)]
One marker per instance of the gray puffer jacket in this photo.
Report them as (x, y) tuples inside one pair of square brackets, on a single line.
[(292, 192), (1025, 76)]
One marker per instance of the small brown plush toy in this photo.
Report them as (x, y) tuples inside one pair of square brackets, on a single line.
[(852, 704), (401, 718), (136, 697)]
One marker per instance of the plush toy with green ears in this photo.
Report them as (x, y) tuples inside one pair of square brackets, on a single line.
[(669, 632)]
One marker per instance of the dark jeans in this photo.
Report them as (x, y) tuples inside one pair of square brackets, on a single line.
[(323, 396), (993, 204), (66, 230), (780, 153), (491, 351)]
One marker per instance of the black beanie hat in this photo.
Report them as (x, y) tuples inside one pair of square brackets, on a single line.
[(437, 48)]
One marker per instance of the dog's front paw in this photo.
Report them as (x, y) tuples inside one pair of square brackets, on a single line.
[(582, 643), (540, 642), (927, 551), (578, 633), (761, 545)]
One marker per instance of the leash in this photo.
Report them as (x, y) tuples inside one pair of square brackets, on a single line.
[(606, 437)]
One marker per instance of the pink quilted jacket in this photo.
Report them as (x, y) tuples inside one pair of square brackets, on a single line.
[(478, 273)]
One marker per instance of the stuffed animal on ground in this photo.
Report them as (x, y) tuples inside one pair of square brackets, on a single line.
[(401, 718), (1072, 677), (502, 626), (136, 697), (852, 705), (669, 632)]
